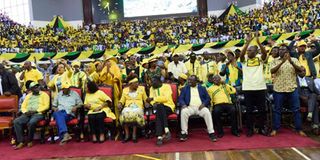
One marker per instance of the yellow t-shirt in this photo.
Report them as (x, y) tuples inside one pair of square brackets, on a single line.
[(32, 75), (96, 100), (221, 94), (42, 100), (162, 95)]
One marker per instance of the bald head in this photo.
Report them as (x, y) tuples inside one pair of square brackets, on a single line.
[(27, 65)]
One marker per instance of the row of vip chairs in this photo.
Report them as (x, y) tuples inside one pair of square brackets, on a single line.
[(80, 123)]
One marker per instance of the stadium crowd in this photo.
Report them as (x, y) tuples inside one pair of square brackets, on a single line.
[(207, 83), (275, 17)]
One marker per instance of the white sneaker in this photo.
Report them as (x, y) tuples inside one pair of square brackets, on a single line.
[(309, 117)]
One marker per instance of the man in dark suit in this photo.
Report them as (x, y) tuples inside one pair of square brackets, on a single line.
[(308, 96), (305, 57), (195, 100), (9, 84)]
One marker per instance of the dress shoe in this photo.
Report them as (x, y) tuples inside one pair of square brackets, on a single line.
[(212, 137), (183, 137), (235, 133), (167, 136), (134, 139), (19, 146), (66, 138), (273, 133), (301, 133), (220, 135), (250, 133), (125, 140), (159, 142), (264, 132), (30, 144)]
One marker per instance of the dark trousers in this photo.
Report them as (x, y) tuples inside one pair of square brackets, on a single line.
[(62, 118), (30, 121), (96, 122), (255, 100), (312, 104), (225, 108), (293, 98), (162, 113)]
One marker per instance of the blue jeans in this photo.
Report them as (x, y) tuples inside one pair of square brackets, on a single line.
[(62, 118), (293, 98)]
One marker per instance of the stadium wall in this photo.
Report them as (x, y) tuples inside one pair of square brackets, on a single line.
[(42, 11)]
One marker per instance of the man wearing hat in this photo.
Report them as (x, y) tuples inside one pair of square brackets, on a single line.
[(64, 105), (193, 66), (79, 77), (32, 110), (175, 68), (305, 57)]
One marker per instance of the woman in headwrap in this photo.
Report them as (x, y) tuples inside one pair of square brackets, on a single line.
[(132, 101)]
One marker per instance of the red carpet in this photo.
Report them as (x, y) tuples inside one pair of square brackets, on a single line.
[(198, 141)]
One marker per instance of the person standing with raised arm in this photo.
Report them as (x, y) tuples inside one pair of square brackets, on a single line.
[(254, 85)]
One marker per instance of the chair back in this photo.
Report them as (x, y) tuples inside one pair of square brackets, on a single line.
[(77, 90), (9, 104), (174, 89), (108, 90)]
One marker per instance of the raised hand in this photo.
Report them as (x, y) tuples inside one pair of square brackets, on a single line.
[(297, 37)]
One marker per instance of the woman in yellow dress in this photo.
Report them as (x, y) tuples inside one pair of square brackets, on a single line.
[(97, 102), (132, 101)]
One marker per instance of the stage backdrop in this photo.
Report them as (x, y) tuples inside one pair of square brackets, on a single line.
[(107, 10)]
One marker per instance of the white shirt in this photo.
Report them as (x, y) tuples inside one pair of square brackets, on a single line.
[(178, 69), (302, 82), (253, 76)]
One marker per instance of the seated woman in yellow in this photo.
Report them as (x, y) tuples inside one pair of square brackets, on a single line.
[(97, 103), (132, 102), (63, 75)]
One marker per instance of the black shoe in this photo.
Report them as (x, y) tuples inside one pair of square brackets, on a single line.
[(250, 133), (220, 135), (126, 140), (167, 136), (134, 140), (235, 133), (212, 137), (264, 132), (183, 137), (159, 142)]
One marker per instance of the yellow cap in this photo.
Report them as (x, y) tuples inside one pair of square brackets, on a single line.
[(75, 63), (134, 80), (301, 43), (65, 85), (183, 76), (144, 61)]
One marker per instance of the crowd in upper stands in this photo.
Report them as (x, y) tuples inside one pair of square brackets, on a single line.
[(206, 83), (275, 17)]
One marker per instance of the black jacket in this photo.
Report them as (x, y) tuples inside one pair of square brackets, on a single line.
[(10, 84)]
